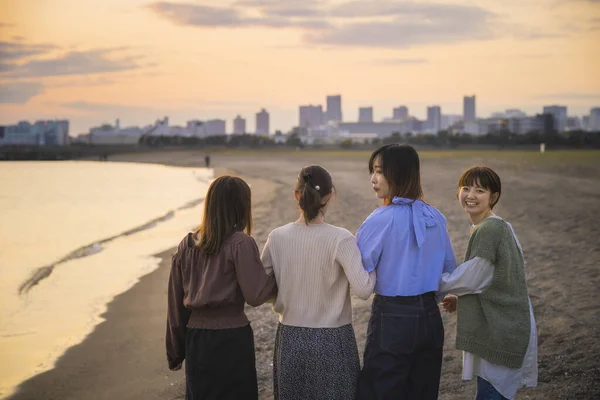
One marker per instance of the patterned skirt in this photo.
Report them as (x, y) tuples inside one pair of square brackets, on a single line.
[(315, 363)]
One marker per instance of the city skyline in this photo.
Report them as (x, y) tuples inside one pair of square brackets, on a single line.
[(143, 60)]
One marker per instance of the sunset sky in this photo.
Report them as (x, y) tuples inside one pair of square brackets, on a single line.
[(138, 60)]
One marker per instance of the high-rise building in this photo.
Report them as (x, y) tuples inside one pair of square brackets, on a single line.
[(434, 118), (469, 111), (560, 116), (215, 127), (334, 108), (585, 122), (262, 122), (310, 116), (594, 121), (400, 113), (239, 125), (365, 114)]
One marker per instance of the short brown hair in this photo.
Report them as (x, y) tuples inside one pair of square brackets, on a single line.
[(482, 176), (227, 209), (314, 183), (401, 169)]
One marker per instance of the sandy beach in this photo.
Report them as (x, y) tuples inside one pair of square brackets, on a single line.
[(553, 203)]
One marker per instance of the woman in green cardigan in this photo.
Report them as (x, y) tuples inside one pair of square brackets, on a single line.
[(496, 326)]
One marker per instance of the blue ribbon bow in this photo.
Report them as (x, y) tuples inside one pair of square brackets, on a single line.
[(421, 216)]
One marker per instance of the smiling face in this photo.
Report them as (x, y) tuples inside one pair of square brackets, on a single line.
[(479, 190), (476, 200), (378, 181)]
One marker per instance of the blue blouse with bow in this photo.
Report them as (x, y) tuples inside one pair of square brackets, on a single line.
[(408, 243)]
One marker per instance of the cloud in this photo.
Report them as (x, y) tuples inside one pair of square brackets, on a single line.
[(206, 16), (289, 8), (190, 14), (401, 61), (73, 63), (398, 33), (359, 23), (19, 92), (10, 51), (83, 81)]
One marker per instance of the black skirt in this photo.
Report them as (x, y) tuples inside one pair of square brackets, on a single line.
[(315, 363), (220, 364)]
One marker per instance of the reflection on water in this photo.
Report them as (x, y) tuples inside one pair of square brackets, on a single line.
[(72, 236)]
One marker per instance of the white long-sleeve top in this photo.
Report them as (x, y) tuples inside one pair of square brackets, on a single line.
[(316, 266), (473, 277)]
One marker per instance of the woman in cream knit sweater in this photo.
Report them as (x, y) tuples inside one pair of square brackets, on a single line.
[(315, 265)]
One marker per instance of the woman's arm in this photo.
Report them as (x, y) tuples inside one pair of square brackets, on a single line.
[(349, 257), (257, 286), (470, 277), (177, 317), (267, 261), (370, 237)]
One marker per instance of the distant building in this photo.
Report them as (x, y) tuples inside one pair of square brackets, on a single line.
[(585, 122), (574, 124), (413, 125), (522, 125), (41, 133), (594, 121), (334, 109), (560, 116), (215, 127), (400, 113), (109, 135), (262, 122), (365, 114), (239, 125), (381, 129), (469, 111), (514, 113), (310, 116), (546, 122), (449, 120), (434, 119)]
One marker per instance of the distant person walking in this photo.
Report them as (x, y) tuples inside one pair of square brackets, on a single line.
[(214, 272), (496, 325), (315, 264), (407, 243), (207, 160)]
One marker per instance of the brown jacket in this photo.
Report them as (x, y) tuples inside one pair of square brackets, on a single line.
[(209, 292)]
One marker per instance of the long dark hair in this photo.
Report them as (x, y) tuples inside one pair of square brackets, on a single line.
[(401, 169), (314, 183), (227, 209)]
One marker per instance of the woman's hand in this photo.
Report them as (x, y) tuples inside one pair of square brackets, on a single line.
[(178, 367), (449, 303)]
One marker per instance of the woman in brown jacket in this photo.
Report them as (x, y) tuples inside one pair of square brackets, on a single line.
[(216, 270)]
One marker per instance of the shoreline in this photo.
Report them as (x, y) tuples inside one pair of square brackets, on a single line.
[(62, 311), (90, 368)]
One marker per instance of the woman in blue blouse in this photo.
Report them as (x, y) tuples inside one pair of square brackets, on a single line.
[(407, 242)]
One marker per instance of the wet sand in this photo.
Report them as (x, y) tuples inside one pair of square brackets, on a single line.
[(553, 204)]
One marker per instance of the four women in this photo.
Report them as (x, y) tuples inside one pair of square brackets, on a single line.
[(307, 270)]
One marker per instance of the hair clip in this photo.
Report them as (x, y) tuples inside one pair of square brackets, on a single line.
[(317, 187)]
